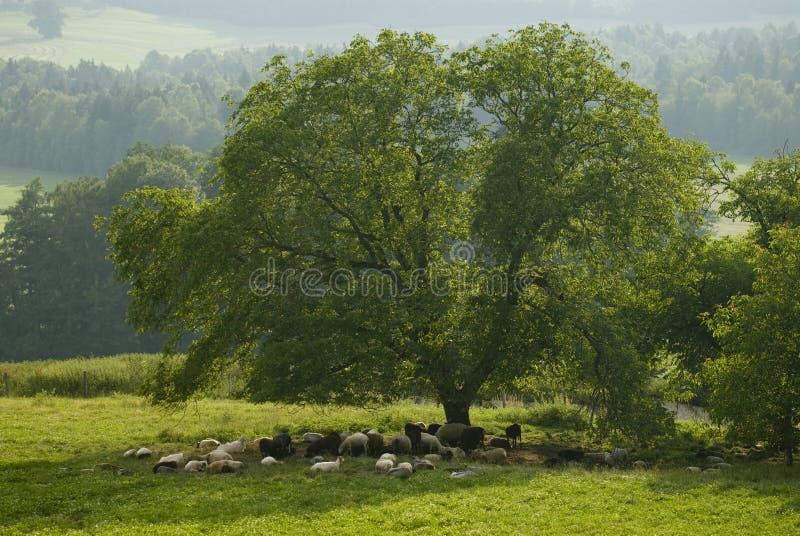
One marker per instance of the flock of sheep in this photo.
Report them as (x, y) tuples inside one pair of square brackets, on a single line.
[(427, 444)]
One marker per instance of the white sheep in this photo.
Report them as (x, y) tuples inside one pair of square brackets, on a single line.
[(234, 447), (173, 458), (357, 441), (130, 453), (430, 443), (619, 456), (384, 466), (206, 443), (310, 437), (269, 460), (388, 456), (435, 458), (217, 456), (195, 466), (422, 465), (327, 467), (144, 452), (694, 469), (403, 470)]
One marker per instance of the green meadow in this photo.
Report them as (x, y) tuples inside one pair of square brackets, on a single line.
[(13, 180), (114, 36), (46, 443)]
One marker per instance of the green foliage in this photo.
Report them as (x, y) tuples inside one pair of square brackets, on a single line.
[(756, 384), (48, 18), (557, 416)]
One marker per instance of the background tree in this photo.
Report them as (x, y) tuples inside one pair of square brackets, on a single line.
[(756, 384), (371, 161), (48, 18)]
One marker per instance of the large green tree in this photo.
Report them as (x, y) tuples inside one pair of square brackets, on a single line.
[(48, 18), (373, 238)]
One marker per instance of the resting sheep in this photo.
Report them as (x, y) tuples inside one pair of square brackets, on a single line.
[(269, 460), (403, 470), (130, 453), (144, 452), (496, 456), (389, 456), (435, 458), (278, 447), (327, 467), (195, 466), (234, 447), (383, 466), (453, 453), (500, 442), (355, 444), (224, 466), (206, 443), (514, 433), (422, 465), (217, 456), (310, 437)]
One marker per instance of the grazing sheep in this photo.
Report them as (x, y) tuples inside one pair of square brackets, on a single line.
[(433, 428), (355, 445), (330, 444), (144, 452), (206, 443), (383, 466), (514, 433), (422, 465), (269, 460), (344, 435), (224, 466), (471, 438), (401, 444), (497, 456), (453, 453), (130, 453), (234, 447), (435, 458), (639, 465), (218, 456), (327, 467), (711, 460), (310, 437), (449, 434), (195, 466), (403, 470), (374, 443), (569, 455), (500, 442), (429, 443), (389, 456), (414, 433)]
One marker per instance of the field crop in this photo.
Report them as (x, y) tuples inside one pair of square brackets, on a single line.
[(45, 442)]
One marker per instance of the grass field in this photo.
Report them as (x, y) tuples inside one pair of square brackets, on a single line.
[(46, 441), (114, 36)]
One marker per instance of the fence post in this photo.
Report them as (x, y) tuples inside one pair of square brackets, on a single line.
[(7, 386), (85, 385)]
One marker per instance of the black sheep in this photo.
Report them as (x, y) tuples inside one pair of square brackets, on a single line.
[(514, 433), (433, 428), (414, 433), (374, 444), (283, 446), (499, 442), (471, 438), (329, 443)]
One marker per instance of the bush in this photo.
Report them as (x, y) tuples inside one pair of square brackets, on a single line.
[(563, 416)]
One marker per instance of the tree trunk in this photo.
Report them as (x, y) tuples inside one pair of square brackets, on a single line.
[(788, 440), (456, 411)]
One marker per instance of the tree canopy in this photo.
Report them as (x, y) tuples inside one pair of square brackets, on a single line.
[(392, 220), (48, 18)]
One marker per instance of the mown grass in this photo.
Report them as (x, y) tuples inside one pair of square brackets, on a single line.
[(46, 441), (114, 36)]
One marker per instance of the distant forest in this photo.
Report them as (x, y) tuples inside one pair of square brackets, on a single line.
[(738, 89)]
